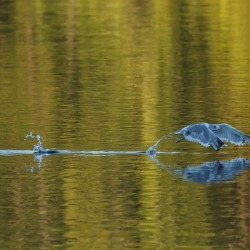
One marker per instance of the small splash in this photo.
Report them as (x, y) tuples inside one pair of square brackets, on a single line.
[(38, 147), (152, 149)]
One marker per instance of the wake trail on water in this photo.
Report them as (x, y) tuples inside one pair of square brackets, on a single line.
[(38, 149)]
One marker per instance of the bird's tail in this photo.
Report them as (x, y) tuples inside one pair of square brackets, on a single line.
[(216, 142)]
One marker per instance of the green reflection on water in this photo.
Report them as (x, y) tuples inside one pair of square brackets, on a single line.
[(119, 75)]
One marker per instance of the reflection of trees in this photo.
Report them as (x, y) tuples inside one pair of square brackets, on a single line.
[(151, 60), (117, 74)]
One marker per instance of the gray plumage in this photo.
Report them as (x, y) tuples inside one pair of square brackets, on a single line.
[(213, 134)]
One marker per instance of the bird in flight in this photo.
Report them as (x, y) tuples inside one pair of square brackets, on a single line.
[(213, 134)]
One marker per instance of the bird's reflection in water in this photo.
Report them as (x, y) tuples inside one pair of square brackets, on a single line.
[(209, 171)]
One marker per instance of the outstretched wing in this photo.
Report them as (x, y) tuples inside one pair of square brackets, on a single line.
[(198, 133), (230, 134)]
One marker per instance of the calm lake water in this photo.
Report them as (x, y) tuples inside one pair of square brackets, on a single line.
[(117, 76)]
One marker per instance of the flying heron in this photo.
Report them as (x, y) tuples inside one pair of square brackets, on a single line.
[(213, 134)]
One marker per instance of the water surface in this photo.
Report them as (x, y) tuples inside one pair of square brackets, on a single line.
[(115, 77)]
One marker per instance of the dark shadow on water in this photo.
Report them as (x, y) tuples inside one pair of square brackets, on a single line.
[(45, 152)]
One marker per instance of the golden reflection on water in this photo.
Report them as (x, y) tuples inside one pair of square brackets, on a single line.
[(118, 75)]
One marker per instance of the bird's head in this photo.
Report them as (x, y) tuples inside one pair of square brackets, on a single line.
[(214, 127)]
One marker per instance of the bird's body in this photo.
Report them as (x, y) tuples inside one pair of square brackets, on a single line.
[(213, 134)]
